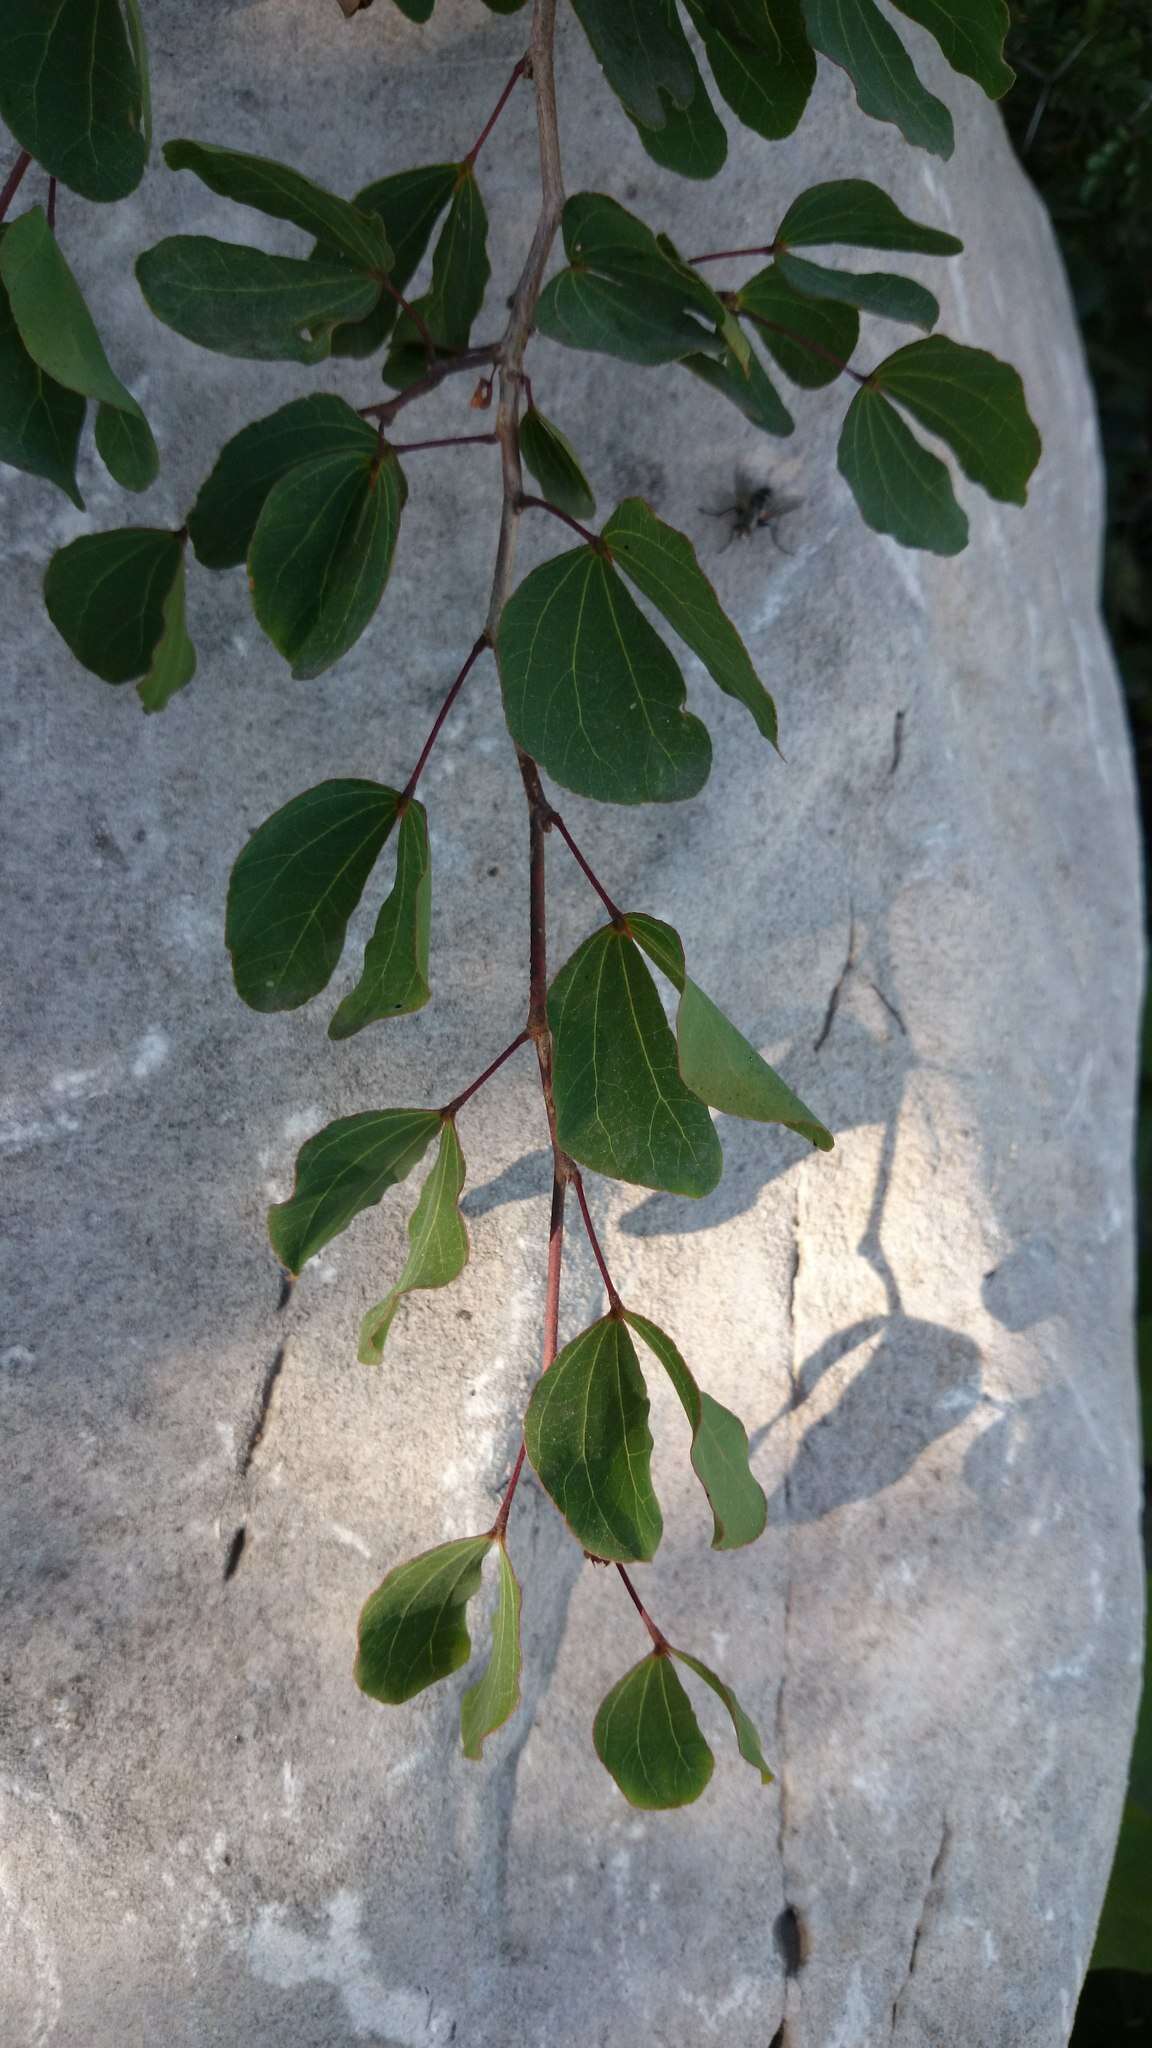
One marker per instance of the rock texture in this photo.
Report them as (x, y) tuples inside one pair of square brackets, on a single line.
[(928, 917)]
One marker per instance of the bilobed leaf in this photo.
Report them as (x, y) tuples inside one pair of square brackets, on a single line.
[(858, 215), (622, 1107), (899, 486), (409, 203), (972, 401), (811, 339), (751, 391), (174, 657), (715, 1060), (496, 1695), (74, 91), (649, 1739), (126, 446), (971, 34), (105, 595), (394, 980), (626, 294), (40, 420), (690, 140), (460, 273), (662, 563), (285, 194), (855, 35), (761, 59), (586, 1433), (322, 551), (592, 692), (243, 302), (552, 460), (60, 335), (876, 291), (643, 52), (345, 1168), (437, 1239), (719, 1447), (413, 1628), (230, 500), (747, 1739), (295, 886)]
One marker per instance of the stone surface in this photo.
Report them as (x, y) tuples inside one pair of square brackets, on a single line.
[(928, 917)]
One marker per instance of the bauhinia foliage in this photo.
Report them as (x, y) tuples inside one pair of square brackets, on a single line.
[(310, 500)]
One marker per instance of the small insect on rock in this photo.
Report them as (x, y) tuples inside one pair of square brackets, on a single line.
[(754, 507)]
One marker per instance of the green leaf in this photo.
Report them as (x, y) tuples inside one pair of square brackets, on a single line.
[(416, 10), (40, 420), (460, 273), (106, 595), (719, 1447), (690, 140), (861, 216), (972, 401), (127, 447), (1124, 1936), (345, 1168), (971, 34), (414, 1628), (60, 335), (438, 1243), (592, 692), (626, 294), (552, 460), (174, 657), (394, 980), (295, 886), (409, 203), (242, 302), (74, 91), (662, 563), (855, 35), (322, 552), (229, 502), (747, 1739), (811, 339), (285, 194), (754, 393), (875, 291), (586, 1433), (715, 1060), (761, 59), (496, 1695), (643, 52), (898, 485), (622, 1106), (649, 1739)]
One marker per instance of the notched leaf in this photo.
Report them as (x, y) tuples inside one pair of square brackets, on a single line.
[(414, 1628), (719, 1447), (345, 1168), (586, 1433), (494, 1698), (437, 1239), (394, 981)]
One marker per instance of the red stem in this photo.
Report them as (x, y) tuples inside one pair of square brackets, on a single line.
[(441, 715), (659, 1639), (815, 348), (544, 505), (616, 914), (720, 255), (12, 182), (466, 1094), (431, 346), (447, 441), (577, 1180), (551, 1333), (517, 73)]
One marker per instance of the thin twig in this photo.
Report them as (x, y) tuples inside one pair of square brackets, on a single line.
[(517, 73), (465, 359), (659, 1639), (441, 715), (466, 1094), (431, 345), (721, 255), (444, 441), (551, 1333), (614, 912), (12, 181), (528, 504), (577, 1180)]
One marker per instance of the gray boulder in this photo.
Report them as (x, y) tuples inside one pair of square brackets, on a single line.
[(928, 917)]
